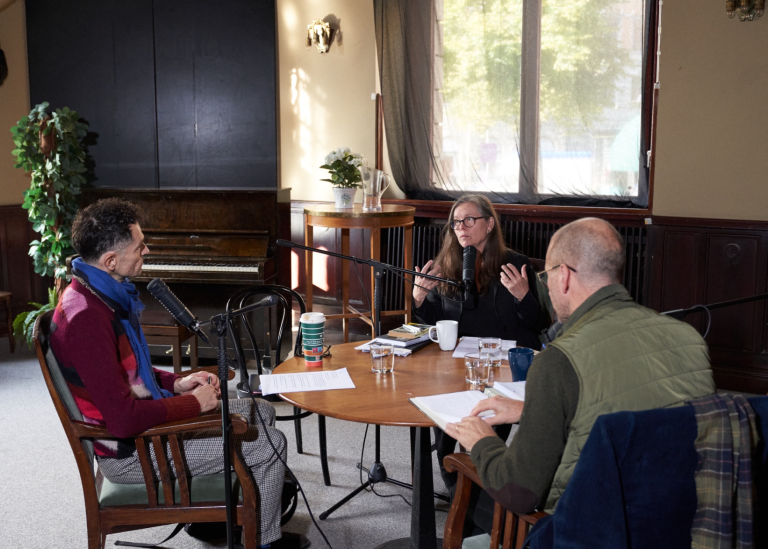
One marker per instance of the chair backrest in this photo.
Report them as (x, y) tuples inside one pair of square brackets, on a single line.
[(63, 401), (634, 484), (246, 295)]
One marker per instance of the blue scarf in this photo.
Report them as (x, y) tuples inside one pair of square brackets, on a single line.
[(123, 298)]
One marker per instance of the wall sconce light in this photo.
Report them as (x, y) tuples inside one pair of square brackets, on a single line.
[(320, 32), (747, 9)]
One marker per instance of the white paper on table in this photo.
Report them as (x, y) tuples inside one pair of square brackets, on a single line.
[(470, 345), (306, 381), (399, 351)]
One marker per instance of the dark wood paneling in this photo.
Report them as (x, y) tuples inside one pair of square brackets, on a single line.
[(96, 57), (179, 93), (704, 261), (216, 93), (17, 274)]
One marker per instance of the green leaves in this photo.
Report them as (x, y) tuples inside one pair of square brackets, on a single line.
[(51, 200), (343, 172), (24, 323)]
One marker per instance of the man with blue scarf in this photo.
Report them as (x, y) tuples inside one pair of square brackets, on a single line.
[(97, 339)]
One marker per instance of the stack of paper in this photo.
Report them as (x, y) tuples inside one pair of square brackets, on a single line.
[(399, 351), (306, 381)]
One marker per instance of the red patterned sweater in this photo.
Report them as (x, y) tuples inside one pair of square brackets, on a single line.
[(97, 361)]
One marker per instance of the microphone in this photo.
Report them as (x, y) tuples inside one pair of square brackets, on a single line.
[(284, 243), (161, 292), (468, 272)]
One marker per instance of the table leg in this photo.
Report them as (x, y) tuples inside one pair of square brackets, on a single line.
[(308, 239), (193, 352), (408, 264), (423, 506), (376, 256), (176, 352), (344, 266)]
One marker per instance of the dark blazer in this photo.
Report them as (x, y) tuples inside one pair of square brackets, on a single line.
[(519, 320)]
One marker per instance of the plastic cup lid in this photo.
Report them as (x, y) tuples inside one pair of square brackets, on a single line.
[(312, 318)]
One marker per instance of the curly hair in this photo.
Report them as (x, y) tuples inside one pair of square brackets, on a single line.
[(450, 259), (103, 226)]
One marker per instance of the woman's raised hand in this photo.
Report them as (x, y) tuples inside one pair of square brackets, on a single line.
[(515, 281), (422, 286)]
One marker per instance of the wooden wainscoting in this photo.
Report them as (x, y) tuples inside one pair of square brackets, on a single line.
[(17, 274), (704, 261)]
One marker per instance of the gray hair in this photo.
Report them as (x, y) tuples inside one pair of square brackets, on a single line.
[(591, 246)]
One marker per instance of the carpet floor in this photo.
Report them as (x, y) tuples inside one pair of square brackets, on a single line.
[(42, 500)]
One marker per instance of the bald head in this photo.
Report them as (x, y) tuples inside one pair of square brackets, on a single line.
[(591, 246)]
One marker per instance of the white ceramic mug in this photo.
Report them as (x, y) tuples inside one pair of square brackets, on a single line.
[(447, 334)]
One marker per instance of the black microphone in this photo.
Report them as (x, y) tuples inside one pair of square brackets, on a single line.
[(468, 272), (161, 292), (284, 243)]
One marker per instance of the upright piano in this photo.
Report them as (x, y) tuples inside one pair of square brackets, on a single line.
[(207, 244)]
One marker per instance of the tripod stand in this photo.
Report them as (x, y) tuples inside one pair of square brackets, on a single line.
[(377, 472)]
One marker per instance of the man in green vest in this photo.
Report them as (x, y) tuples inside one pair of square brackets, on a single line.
[(610, 355)]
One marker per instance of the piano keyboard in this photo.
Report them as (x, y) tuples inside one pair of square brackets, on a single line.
[(201, 267)]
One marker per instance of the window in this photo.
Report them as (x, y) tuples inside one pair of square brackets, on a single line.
[(536, 98)]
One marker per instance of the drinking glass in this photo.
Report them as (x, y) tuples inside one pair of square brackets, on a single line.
[(477, 366), (492, 346), (382, 358)]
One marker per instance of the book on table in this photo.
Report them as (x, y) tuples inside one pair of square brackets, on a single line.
[(417, 330), (401, 342), (452, 407)]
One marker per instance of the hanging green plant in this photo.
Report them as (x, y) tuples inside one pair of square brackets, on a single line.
[(49, 147)]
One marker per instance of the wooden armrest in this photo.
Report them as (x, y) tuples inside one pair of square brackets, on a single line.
[(533, 518), (461, 463), (200, 423)]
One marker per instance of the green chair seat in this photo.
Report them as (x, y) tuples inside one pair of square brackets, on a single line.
[(202, 488)]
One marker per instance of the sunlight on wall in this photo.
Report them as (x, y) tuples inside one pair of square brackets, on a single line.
[(325, 98), (319, 270)]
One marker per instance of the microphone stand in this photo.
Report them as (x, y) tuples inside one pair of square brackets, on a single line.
[(682, 313), (221, 325), (377, 473)]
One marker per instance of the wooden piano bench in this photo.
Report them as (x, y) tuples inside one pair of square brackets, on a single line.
[(160, 328)]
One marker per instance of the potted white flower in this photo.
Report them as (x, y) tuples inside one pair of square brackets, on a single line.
[(343, 166)]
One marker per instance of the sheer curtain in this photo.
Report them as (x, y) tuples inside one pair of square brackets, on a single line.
[(530, 101)]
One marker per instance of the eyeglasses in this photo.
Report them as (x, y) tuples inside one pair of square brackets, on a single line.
[(544, 281), (468, 222)]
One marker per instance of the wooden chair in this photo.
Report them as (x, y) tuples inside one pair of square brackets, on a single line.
[(5, 299), (509, 529), (282, 295), (112, 508)]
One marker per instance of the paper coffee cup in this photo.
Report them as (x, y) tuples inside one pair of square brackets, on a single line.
[(312, 326)]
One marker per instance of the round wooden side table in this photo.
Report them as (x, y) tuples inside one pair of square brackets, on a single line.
[(328, 216)]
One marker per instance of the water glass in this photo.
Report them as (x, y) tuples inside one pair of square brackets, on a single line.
[(492, 346), (476, 368), (382, 358)]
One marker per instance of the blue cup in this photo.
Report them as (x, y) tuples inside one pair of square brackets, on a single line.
[(520, 359)]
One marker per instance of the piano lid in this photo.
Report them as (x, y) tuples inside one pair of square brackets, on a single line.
[(193, 211)]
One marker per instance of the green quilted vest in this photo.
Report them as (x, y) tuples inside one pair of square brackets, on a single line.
[(627, 358)]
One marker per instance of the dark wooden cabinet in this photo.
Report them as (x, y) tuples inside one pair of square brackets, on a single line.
[(177, 94)]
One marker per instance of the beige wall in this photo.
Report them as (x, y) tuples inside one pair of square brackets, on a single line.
[(14, 97), (712, 159), (325, 100)]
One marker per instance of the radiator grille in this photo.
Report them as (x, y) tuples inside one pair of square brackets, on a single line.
[(529, 238)]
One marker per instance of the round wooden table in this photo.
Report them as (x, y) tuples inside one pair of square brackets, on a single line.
[(382, 399), (328, 216)]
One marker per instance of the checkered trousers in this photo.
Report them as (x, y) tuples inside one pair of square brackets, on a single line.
[(203, 454)]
